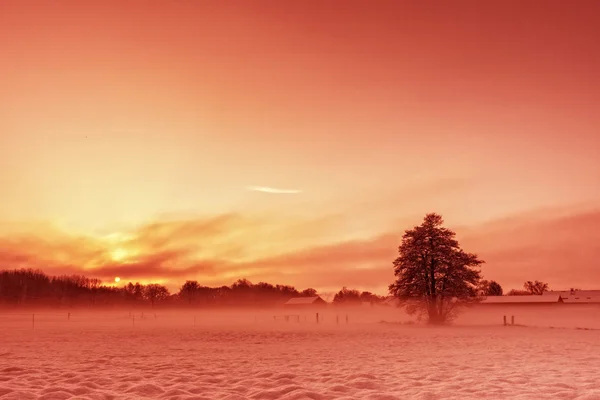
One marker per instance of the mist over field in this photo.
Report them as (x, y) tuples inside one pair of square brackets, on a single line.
[(257, 354)]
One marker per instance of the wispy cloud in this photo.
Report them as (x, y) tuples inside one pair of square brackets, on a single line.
[(267, 189)]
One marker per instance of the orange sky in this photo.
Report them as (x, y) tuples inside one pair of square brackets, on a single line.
[(131, 133)]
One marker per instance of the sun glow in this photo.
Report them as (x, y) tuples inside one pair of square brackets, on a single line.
[(119, 254), (117, 279)]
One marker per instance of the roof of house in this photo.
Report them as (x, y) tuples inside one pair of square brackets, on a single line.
[(576, 296), (527, 299), (304, 300)]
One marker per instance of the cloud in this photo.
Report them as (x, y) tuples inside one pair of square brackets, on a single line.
[(210, 248), (560, 248), (266, 189)]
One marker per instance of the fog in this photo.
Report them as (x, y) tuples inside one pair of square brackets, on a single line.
[(258, 354)]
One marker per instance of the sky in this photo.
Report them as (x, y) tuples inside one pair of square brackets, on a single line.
[(294, 142)]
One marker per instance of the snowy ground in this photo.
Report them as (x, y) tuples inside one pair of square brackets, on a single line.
[(249, 356)]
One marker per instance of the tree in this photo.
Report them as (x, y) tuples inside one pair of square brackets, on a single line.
[(189, 291), (368, 297), (310, 292), (434, 275), (347, 296), (517, 292), (490, 288), (155, 292), (537, 287), (494, 289)]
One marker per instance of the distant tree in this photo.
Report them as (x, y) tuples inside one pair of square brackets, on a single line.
[(308, 293), (536, 288), (494, 289), (189, 291), (368, 297), (287, 291), (434, 275), (517, 292), (138, 291), (347, 296), (490, 288), (155, 293)]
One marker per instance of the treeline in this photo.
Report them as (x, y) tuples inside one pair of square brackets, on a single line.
[(27, 287), (353, 296)]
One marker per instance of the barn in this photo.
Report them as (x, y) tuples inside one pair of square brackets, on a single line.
[(522, 300), (574, 296), (305, 302)]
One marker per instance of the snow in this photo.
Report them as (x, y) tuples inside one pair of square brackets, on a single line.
[(246, 355)]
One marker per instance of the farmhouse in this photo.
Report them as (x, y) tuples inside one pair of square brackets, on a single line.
[(524, 300), (575, 296), (305, 302)]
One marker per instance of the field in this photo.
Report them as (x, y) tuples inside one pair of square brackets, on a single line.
[(247, 355)]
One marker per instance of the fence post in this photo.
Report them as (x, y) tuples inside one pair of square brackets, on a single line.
[(69, 316), (317, 318), (346, 318), (32, 321), (337, 319), (133, 320), (505, 320), (512, 320)]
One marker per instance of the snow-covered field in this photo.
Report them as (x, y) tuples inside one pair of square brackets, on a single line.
[(247, 355)]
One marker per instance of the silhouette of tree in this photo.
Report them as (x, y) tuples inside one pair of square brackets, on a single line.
[(368, 297), (537, 287), (155, 293), (29, 287), (308, 293), (189, 291), (347, 296), (517, 292), (490, 288), (434, 275)]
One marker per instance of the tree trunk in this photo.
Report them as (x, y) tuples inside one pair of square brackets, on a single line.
[(432, 311)]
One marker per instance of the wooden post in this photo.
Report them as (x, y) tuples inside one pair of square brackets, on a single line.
[(317, 318), (32, 321), (337, 319), (505, 320), (133, 320), (512, 320), (346, 318), (69, 316)]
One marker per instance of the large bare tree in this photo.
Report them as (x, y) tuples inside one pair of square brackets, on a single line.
[(434, 275)]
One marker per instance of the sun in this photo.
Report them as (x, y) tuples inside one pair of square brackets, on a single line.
[(117, 279)]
